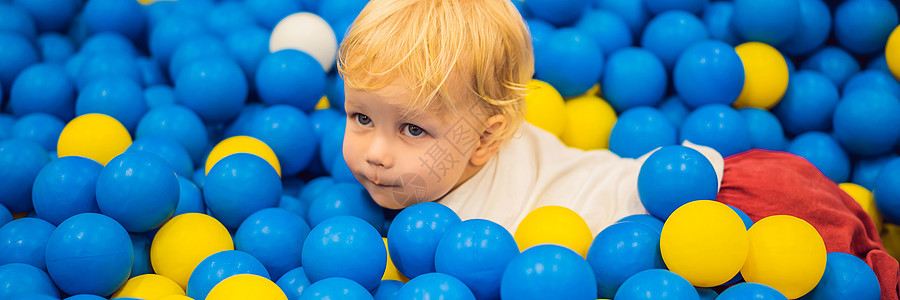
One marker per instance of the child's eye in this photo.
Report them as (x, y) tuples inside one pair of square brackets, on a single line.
[(363, 120), (411, 130)]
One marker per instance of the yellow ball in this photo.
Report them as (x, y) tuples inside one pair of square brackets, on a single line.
[(95, 136), (554, 225), (589, 120), (765, 75), (705, 242), (787, 254), (172, 297), (545, 107), (148, 286), (892, 52), (391, 272), (242, 144), (184, 241), (890, 237), (246, 287), (865, 199), (323, 103)]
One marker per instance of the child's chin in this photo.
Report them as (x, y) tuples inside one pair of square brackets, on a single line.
[(391, 202)]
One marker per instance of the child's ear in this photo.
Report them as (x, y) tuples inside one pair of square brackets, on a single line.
[(488, 144)]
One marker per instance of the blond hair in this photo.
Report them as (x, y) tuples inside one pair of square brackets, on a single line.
[(482, 46)]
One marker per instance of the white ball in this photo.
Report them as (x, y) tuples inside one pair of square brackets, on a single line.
[(306, 32)]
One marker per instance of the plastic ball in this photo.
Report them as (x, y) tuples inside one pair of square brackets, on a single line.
[(274, 236), (635, 13), (117, 97), (541, 31), (689, 250), (548, 271), (5, 215), (824, 152), (846, 276), (16, 54), (196, 48), (833, 62), (107, 43), (866, 123), (55, 48), (872, 80), (268, 12), (19, 280), (765, 75), (589, 121), (248, 46), (344, 246), (656, 284), (674, 109), (169, 150), (707, 294), (293, 283), (608, 29), (215, 88), (569, 60), (709, 72), (813, 28), (390, 271), (862, 27), (239, 185), (673, 176), (148, 286), (20, 163), (165, 36), (808, 103), (15, 19), (435, 286), (717, 16), (887, 192), (6, 124), (766, 132), (345, 199), (554, 225), (332, 142), (178, 123), (865, 170), (891, 56), (40, 128), (414, 235), (91, 297), (242, 144), (772, 22), (290, 77), (43, 87), (141, 245), (219, 266), (151, 73), (306, 32), (66, 187), (314, 188), (640, 130), (138, 189), (183, 242), (748, 290), (89, 253), (125, 17), (228, 17), (387, 290), (786, 253), (25, 241), (476, 252), (159, 95), (246, 286), (668, 34), (50, 15), (189, 198), (692, 6), (289, 133), (335, 288), (557, 13), (546, 107), (646, 220), (717, 126), (622, 250), (634, 77)]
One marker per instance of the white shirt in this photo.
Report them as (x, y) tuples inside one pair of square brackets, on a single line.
[(536, 169)]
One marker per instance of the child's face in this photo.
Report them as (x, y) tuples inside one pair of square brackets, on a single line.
[(403, 160)]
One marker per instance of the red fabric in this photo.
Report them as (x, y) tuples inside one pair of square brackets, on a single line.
[(764, 183)]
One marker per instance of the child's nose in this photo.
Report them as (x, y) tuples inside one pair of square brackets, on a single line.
[(379, 153)]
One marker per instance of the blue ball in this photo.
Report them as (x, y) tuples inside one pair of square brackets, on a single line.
[(707, 294), (872, 80), (335, 288), (541, 31), (835, 63), (178, 123), (887, 191), (290, 77), (866, 170), (656, 284), (19, 280), (107, 43), (199, 47), (5, 215), (118, 97), (96, 66), (644, 219), (240, 185), (151, 73), (769, 21), (242, 124), (717, 126), (85, 297), (822, 151), (6, 124), (215, 268), (228, 17), (269, 12), (215, 88), (744, 218), (345, 199), (294, 205), (322, 119), (812, 29), (190, 200), (548, 272), (89, 254), (138, 189), (414, 235), (338, 11), (293, 283), (274, 236), (159, 95), (248, 46), (846, 276), (620, 251), (674, 109), (193, 9), (25, 241), (717, 16), (668, 34), (634, 77), (878, 63), (570, 61), (199, 178), (55, 48), (749, 290), (50, 15), (20, 162), (314, 188), (66, 187), (476, 252), (808, 104), (142, 263), (862, 27), (640, 130), (40, 128), (15, 19), (608, 29), (16, 54), (387, 290), (866, 123), (334, 92), (709, 72), (289, 132), (125, 17), (167, 149), (673, 176), (766, 132), (635, 13), (436, 286), (344, 246), (692, 6), (171, 32), (340, 171), (332, 143), (43, 87)]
